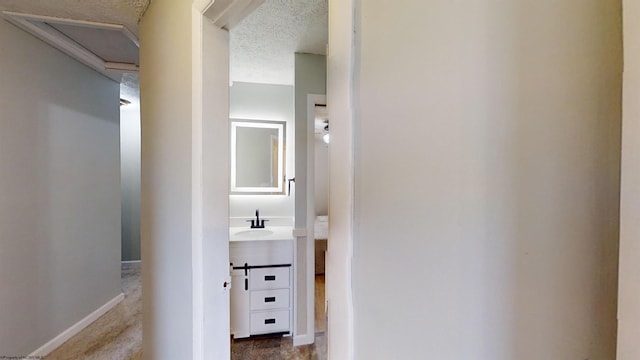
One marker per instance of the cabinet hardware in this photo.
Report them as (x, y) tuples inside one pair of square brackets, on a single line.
[(269, 321), (248, 267), (270, 299), (289, 185), (269, 278), (246, 284)]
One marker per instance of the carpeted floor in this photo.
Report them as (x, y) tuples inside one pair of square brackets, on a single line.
[(117, 335)]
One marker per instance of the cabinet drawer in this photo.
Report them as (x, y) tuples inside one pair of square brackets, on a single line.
[(264, 322), (269, 278), (270, 299)]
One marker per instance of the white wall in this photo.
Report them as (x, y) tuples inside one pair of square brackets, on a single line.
[(486, 185), (59, 192), (339, 256), (185, 183), (167, 207), (215, 192), (629, 292), (130, 180), (264, 102)]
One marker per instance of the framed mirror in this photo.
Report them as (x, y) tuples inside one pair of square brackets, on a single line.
[(257, 156)]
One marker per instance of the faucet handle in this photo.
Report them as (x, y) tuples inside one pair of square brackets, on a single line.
[(262, 222), (253, 224)]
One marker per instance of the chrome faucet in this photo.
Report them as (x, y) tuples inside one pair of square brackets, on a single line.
[(257, 223)]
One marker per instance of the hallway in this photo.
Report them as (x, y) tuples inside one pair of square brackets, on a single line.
[(117, 334)]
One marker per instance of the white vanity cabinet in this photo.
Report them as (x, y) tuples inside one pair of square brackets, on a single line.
[(262, 287)]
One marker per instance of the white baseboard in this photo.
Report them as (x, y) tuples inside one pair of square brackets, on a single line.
[(75, 328), (304, 339)]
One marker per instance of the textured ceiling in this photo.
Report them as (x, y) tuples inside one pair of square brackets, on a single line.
[(263, 45), (124, 12)]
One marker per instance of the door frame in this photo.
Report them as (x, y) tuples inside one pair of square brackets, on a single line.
[(341, 65), (312, 101), (340, 70)]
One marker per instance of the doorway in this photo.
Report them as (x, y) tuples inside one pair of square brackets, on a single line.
[(200, 264), (256, 94)]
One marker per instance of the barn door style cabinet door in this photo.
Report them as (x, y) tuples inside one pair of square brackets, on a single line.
[(262, 291)]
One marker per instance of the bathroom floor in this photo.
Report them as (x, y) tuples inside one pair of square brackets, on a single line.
[(281, 348)]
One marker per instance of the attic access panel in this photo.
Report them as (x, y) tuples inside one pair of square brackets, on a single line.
[(111, 45), (108, 48)]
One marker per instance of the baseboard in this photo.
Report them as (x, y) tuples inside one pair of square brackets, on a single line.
[(74, 329), (131, 261), (304, 339)]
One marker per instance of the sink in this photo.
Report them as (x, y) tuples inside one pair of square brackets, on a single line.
[(254, 233), (261, 234)]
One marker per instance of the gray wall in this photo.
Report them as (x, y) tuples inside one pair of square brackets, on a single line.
[(487, 178), (321, 184), (264, 102), (59, 192), (310, 78), (130, 181)]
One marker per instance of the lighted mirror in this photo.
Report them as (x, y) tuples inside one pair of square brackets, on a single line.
[(257, 156)]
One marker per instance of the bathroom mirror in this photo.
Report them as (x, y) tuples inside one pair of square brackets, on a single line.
[(257, 157)]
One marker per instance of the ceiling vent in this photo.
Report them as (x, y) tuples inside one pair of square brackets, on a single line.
[(108, 48)]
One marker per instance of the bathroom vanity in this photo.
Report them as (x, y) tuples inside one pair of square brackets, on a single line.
[(261, 258), (262, 280)]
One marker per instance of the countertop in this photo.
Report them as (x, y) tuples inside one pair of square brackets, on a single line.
[(268, 233)]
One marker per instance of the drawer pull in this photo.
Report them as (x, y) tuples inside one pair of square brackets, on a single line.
[(270, 299), (269, 278), (246, 284), (269, 321)]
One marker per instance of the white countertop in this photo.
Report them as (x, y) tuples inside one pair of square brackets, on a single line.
[(268, 233)]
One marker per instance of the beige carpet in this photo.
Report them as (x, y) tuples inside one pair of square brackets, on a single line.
[(117, 335)]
